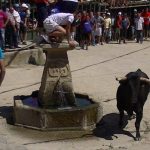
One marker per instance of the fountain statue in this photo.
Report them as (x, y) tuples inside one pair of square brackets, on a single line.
[(55, 106)]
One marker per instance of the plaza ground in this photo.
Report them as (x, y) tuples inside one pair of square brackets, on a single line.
[(93, 72)]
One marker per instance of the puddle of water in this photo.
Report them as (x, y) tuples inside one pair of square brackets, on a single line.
[(80, 102)]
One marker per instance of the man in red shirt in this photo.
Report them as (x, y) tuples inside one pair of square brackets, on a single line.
[(146, 16), (118, 27), (3, 21)]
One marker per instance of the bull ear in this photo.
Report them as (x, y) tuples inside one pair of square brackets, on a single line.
[(145, 80)]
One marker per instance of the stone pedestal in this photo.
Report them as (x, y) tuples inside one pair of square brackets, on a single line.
[(55, 95), (56, 85)]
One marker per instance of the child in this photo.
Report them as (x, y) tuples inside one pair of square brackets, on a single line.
[(87, 30), (2, 67)]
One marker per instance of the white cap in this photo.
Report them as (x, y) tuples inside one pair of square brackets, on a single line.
[(119, 13), (24, 5), (108, 13)]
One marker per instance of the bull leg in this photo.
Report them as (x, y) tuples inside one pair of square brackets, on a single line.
[(139, 116), (121, 118)]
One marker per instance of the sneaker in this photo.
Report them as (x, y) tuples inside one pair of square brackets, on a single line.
[(24, 43), (86, 47)]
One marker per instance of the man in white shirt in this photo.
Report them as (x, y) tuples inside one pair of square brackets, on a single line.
[(17, 20), (139, 23), (107, 28), (53, 25)]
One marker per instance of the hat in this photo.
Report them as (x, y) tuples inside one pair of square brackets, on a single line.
[(108, 13), (24, 5), (135, 10), (119, 13), (16, 5)]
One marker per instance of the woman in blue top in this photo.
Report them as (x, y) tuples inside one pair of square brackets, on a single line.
[(2, 67)]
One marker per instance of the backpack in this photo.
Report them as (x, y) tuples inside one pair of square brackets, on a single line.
[(87, 28)]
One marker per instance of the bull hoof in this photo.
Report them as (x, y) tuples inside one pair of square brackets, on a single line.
[(132, 117), (137, 138)]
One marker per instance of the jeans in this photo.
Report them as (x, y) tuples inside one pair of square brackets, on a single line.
[(123, 34), (11, 36), (2, 38), (93, 37)]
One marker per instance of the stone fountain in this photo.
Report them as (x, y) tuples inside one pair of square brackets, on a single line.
[(55, 106)]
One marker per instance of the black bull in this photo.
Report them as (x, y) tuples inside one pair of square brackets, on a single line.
[(131, 96)]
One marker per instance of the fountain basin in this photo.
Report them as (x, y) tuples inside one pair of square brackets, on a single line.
[(83, 117)]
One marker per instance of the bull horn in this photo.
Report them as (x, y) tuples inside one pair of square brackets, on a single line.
[(145, 80), (121, 78)]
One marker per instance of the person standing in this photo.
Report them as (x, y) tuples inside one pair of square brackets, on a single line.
[(87, 30), (139, 23), (23, 23), (42, 11), (99, 23), (3, 22), (125, 26), (93, 24), (146, 16), (107, 28), (17, 19), (67, 6), (11, 31), (118, 27)]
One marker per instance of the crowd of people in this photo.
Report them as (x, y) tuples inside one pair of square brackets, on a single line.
[(63, 19), (95, 29)]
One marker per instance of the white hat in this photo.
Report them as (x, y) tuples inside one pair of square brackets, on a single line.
[(24, 5), (119, 13), (108, 13)]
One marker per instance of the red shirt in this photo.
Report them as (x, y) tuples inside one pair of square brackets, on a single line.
[(146, 16), (119, 21), (3, 18)]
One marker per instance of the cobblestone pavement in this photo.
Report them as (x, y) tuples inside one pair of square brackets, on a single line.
[(93, 72)]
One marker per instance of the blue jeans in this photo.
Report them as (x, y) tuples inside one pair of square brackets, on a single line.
[(2, 38), (1, 54)]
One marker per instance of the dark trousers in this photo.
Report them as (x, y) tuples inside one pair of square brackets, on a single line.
[(139, 36), (11, 36), (42, 13), (123, 34), (67, 6)]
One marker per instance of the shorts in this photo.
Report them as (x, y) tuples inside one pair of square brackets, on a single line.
[(98, 32), (85, 36), (50, 25), (1, 54), (23, 28)]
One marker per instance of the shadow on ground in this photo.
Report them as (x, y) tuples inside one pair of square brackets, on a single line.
[(108, 127), (7, 113)]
